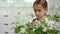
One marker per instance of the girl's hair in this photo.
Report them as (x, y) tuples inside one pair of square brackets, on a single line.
[(41, 2)]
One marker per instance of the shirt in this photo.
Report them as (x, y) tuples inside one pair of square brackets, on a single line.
[(35, 23)]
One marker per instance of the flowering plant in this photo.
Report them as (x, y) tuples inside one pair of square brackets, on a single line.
[(43, 28)]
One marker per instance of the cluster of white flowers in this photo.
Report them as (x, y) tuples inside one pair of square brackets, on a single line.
[(23, 30), (50, 24), (44, 28)]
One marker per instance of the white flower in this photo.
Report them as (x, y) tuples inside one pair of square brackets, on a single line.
[(23, 30), (44, 28), (47, 33), (33, 29), (30, 21)]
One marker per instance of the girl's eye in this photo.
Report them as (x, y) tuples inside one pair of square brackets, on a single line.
[(35, 10), (39, 10)]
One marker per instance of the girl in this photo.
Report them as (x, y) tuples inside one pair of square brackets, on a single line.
[(41, 9)]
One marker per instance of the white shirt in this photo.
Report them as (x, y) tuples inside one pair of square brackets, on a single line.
[(50, 23)]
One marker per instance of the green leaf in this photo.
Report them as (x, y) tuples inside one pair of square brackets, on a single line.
[(52, 31), (48, 16), (30, 31), (39, 30), (56, 17), (18, 28), (43, 22)]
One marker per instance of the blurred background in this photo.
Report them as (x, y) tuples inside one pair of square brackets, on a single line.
[(20, 12)]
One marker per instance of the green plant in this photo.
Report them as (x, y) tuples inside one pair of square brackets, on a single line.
[(39, 30), (18, 28), (56, 17)]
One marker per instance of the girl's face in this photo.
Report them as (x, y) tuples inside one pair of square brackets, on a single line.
[(40, 11)]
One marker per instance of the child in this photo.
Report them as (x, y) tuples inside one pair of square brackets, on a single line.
[(41, 9)]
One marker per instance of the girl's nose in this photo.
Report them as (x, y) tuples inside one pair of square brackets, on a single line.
[(37, 13)]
